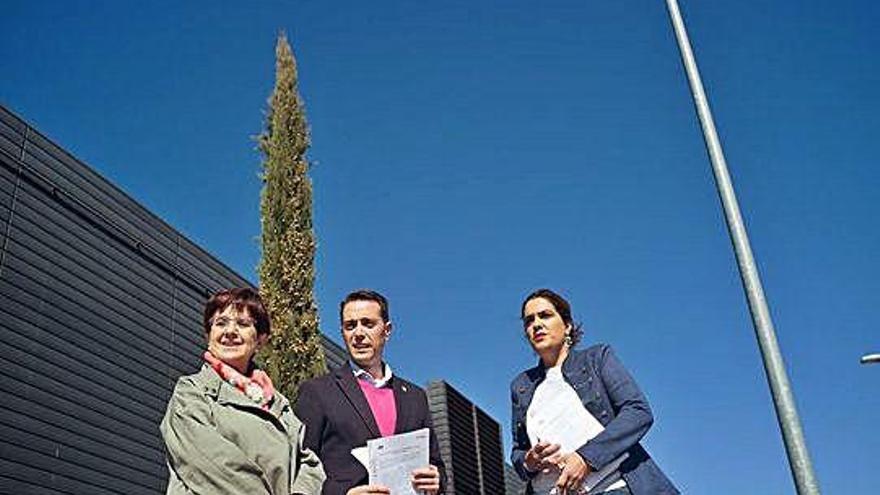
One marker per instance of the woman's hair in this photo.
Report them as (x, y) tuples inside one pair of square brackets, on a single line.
[(244, 300), (562, 307)]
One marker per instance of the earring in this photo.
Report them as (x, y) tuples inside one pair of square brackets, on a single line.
[(568, 340)]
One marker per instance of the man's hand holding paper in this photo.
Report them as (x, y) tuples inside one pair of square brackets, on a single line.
[(426, 480), (400, 462)]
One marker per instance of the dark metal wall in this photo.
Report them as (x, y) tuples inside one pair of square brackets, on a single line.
[(470, 442), (488, 433), (101, 310)]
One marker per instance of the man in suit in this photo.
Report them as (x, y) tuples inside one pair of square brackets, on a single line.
[(362, 400)]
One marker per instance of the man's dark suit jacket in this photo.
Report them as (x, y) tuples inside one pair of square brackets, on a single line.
[(338, 418)]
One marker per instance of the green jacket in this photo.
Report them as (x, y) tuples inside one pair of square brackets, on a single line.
[(219, 442)]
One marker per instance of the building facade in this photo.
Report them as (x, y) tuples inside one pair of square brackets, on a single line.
[(101, 314), (470, 442)]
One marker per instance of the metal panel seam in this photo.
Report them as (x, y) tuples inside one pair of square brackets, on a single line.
[(15, 189)]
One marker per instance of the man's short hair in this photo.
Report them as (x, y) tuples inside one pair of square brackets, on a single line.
[(366, 295)]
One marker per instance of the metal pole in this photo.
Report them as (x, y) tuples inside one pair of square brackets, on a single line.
[(870, 359), (783, 398)]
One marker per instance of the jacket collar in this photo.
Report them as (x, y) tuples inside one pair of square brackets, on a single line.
[(538, 373), (345, 380), (226, 394), (568, 367), (363, 374), (402, 392)]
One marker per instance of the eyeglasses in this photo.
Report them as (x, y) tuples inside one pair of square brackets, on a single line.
[(224, 323)]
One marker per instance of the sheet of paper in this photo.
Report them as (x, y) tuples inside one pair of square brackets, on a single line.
[(552, 419), (362, 455), (597, 480), (604, 477), (392, 460)]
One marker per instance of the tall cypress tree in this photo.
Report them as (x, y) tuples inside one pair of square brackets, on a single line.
[(287, 266)]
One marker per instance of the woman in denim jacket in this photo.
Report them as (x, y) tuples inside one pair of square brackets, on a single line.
[(588, 395)]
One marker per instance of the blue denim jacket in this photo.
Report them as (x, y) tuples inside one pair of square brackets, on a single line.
[(611, 395)]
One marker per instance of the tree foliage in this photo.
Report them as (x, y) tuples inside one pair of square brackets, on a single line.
[(287, 265)]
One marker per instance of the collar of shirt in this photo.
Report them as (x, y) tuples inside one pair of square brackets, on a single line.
[(363, 374)]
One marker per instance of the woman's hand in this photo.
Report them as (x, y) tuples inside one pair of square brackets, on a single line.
[(542, 457), (369, 490), (574, 470), (426, 480)]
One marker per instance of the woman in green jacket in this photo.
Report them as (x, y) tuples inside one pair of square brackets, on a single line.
[(226, 429)]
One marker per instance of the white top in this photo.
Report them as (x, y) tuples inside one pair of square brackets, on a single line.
[(556, 415)]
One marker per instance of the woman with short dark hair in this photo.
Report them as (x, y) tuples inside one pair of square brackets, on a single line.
[(578, 412), (226, 429)]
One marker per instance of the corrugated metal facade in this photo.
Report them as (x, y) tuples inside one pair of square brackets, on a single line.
[(101, 313), (488, 433), (470, 442)]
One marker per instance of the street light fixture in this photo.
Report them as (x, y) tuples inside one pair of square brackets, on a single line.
[(871, 359)]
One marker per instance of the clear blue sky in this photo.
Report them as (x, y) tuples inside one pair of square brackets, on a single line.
[(469, 152)]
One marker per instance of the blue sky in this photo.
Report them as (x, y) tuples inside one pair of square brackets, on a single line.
[(467, 152)]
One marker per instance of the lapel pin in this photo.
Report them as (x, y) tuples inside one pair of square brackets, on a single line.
[(403, 387)]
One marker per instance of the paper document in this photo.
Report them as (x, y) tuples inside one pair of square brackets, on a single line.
[(556, 415), (392, 460), (362, 455), (604, 477), (601, 479)]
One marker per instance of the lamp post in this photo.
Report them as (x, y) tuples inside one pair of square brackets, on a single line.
[(783, 397)]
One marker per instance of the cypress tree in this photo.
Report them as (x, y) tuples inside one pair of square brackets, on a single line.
[(287, 265)]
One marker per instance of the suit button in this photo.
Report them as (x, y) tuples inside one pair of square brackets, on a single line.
[(604, 413)]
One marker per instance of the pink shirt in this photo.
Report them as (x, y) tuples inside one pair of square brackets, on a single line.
[(381, 400)]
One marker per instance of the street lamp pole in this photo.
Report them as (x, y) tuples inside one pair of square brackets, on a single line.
[(783, 398)]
